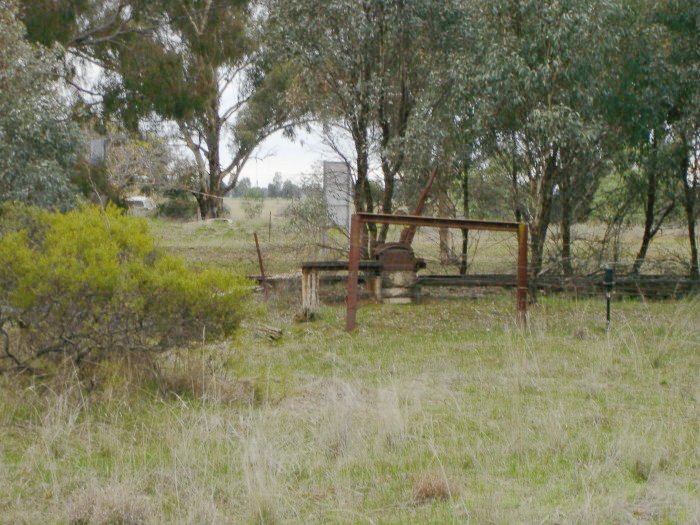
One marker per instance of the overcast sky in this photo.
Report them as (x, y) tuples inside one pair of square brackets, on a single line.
[(291, 159)]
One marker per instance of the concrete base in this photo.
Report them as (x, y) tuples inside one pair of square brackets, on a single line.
[(391, 293), (397, 300), (398, 279)]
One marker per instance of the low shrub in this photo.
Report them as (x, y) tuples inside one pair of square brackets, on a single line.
[(90, 284), (432, 486), (178, 207), (308, 217), (253, 202)]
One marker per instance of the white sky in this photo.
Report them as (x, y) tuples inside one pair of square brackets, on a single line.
[(290, 159)]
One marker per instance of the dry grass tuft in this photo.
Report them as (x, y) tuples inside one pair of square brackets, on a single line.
[(194, 379), (261, 468), (184, 382), (392, 427), (340, 429), (581, 333), (642, 470), (110, 504), (432, 486)]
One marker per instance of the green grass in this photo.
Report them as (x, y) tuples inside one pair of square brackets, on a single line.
[(441, 412), (556, 423)]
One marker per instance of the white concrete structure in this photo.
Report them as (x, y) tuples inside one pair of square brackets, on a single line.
[(337, 190)]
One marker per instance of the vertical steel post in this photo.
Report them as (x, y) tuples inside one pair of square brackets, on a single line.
[(263, 279), (608, 282), (522, 273), (353, 271)]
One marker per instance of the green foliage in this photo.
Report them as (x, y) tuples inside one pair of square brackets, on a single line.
[(48, 22), (179, 205), (363, 73), (93, 183), (308, 216), (90, 284), (197, 65), (38, 144)]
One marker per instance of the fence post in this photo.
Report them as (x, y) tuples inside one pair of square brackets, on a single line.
[(353, 271), (522, 273)]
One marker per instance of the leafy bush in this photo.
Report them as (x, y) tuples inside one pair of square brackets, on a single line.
[(89, 284), (308, 217), (93, 183), (179, 205), (253, 202)]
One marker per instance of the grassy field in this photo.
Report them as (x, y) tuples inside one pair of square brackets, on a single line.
[(442, 412)]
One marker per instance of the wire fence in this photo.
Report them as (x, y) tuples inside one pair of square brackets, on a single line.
[(491, 256)]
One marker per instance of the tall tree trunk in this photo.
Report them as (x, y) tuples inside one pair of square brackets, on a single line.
[(210, 202), (648, 223), (566, 216), (649, 208), (514, 182), (465, 211), (371, 227), (387, 197), (543, 191), (210, 206), (444, 210), (363, 193), (652, 220), (690, 187), (692, 238)]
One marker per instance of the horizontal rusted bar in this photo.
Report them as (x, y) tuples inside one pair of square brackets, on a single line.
[(339, 265), (438, 222)]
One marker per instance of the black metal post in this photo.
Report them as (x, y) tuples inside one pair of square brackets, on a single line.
[(608, 282)]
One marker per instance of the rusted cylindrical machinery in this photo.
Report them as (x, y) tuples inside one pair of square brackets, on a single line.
[(399, 266)]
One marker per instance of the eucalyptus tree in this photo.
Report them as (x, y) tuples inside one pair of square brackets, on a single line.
[(444, 131), (681, 23), (196, 66), (39, 145), (537, 75), (333, 46), (199, 66), (645, 108), (75, 23), (364, 66)]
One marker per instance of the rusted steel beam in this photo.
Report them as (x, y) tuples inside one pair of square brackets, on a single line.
[(408, 233), (373, 266), (439, 222), (521, 293), (353, 271)]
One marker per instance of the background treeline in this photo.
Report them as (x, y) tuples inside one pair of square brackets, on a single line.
[(553, 112), (279, 188)]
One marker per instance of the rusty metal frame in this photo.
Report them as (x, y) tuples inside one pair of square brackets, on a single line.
[(358, 219)]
